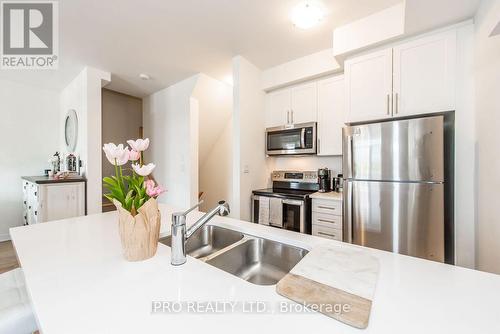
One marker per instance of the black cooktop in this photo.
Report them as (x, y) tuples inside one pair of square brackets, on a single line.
[(284, 193)]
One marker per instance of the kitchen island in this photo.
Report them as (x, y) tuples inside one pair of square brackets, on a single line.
[(79, 282)]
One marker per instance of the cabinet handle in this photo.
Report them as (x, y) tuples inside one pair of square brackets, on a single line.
[(327, 234), (319, 145), (288, 117), (396, 103), (291, 111), (326, 221), (388, 104), (325, 207)]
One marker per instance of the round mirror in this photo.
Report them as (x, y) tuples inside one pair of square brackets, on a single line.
[(71, 130)]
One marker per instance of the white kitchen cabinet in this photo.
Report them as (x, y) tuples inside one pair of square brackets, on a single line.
[(368, 81), (327, 221), (416, 77), (278, 105), (304, 103), (424, 75), (61, 201), (331, 115), (55, 200), (294, 105)]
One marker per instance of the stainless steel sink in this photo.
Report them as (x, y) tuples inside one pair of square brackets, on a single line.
[(259, 261), (208, 240)]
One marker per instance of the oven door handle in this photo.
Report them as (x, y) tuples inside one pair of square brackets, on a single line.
[(303, 138), (293, 202)]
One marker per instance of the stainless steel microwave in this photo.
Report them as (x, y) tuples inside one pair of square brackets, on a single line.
[(291, 139)]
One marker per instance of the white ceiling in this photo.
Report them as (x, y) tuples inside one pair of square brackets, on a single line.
[(171, 40)]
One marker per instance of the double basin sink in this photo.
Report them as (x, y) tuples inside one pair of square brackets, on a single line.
[(254, 259)]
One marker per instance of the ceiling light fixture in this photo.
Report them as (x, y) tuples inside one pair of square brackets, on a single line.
[(144, 76), (307, 15)]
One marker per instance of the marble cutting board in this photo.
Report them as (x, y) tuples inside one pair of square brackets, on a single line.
[(335, 276)]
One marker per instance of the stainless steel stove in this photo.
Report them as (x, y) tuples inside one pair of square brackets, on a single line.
[(287, 204)]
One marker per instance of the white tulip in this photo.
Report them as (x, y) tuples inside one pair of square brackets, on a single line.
[(139, 145), (145, 170), (116, 154)]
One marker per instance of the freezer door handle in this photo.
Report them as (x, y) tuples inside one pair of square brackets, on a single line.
[(349, 157)]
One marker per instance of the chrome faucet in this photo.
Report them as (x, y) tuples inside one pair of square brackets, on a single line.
[(180, 234)]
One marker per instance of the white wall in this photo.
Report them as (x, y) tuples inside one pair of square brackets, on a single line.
[(215, 172), (487, 70), (305, 68), (29, 132), (250, 169), (189, 127), (465, 142), (83, 94), (377, 28), (215, 106), (167, 117)]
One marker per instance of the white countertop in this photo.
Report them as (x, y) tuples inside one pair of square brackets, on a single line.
[(332, 195), (79, 282)]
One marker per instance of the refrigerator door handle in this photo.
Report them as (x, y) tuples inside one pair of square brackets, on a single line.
[(348, 197), (349, 157)]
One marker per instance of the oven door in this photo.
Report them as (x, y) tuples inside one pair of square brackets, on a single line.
[(300, 139), (294, 215)]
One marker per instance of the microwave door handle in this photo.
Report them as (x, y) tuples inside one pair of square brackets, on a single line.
[(303, 138)]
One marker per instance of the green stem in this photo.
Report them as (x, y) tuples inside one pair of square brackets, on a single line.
[(116, 169), (119, 176)]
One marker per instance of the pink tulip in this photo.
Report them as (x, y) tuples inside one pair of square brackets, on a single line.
[(133, 155), (139, 145), (116, 154), (143, 170), (152, 190)]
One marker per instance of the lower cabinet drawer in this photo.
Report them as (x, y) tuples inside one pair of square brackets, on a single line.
[(327, 232), (331, 221), (327, 206)]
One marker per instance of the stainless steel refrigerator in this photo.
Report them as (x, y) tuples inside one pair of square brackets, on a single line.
[(398, 188)]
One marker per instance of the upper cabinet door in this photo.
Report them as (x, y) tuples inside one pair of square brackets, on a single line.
[(368, 82), (331, 115), (304, 103), (278, 108), (424, 75)]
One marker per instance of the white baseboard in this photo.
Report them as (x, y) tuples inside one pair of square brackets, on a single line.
[(4, 237)]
